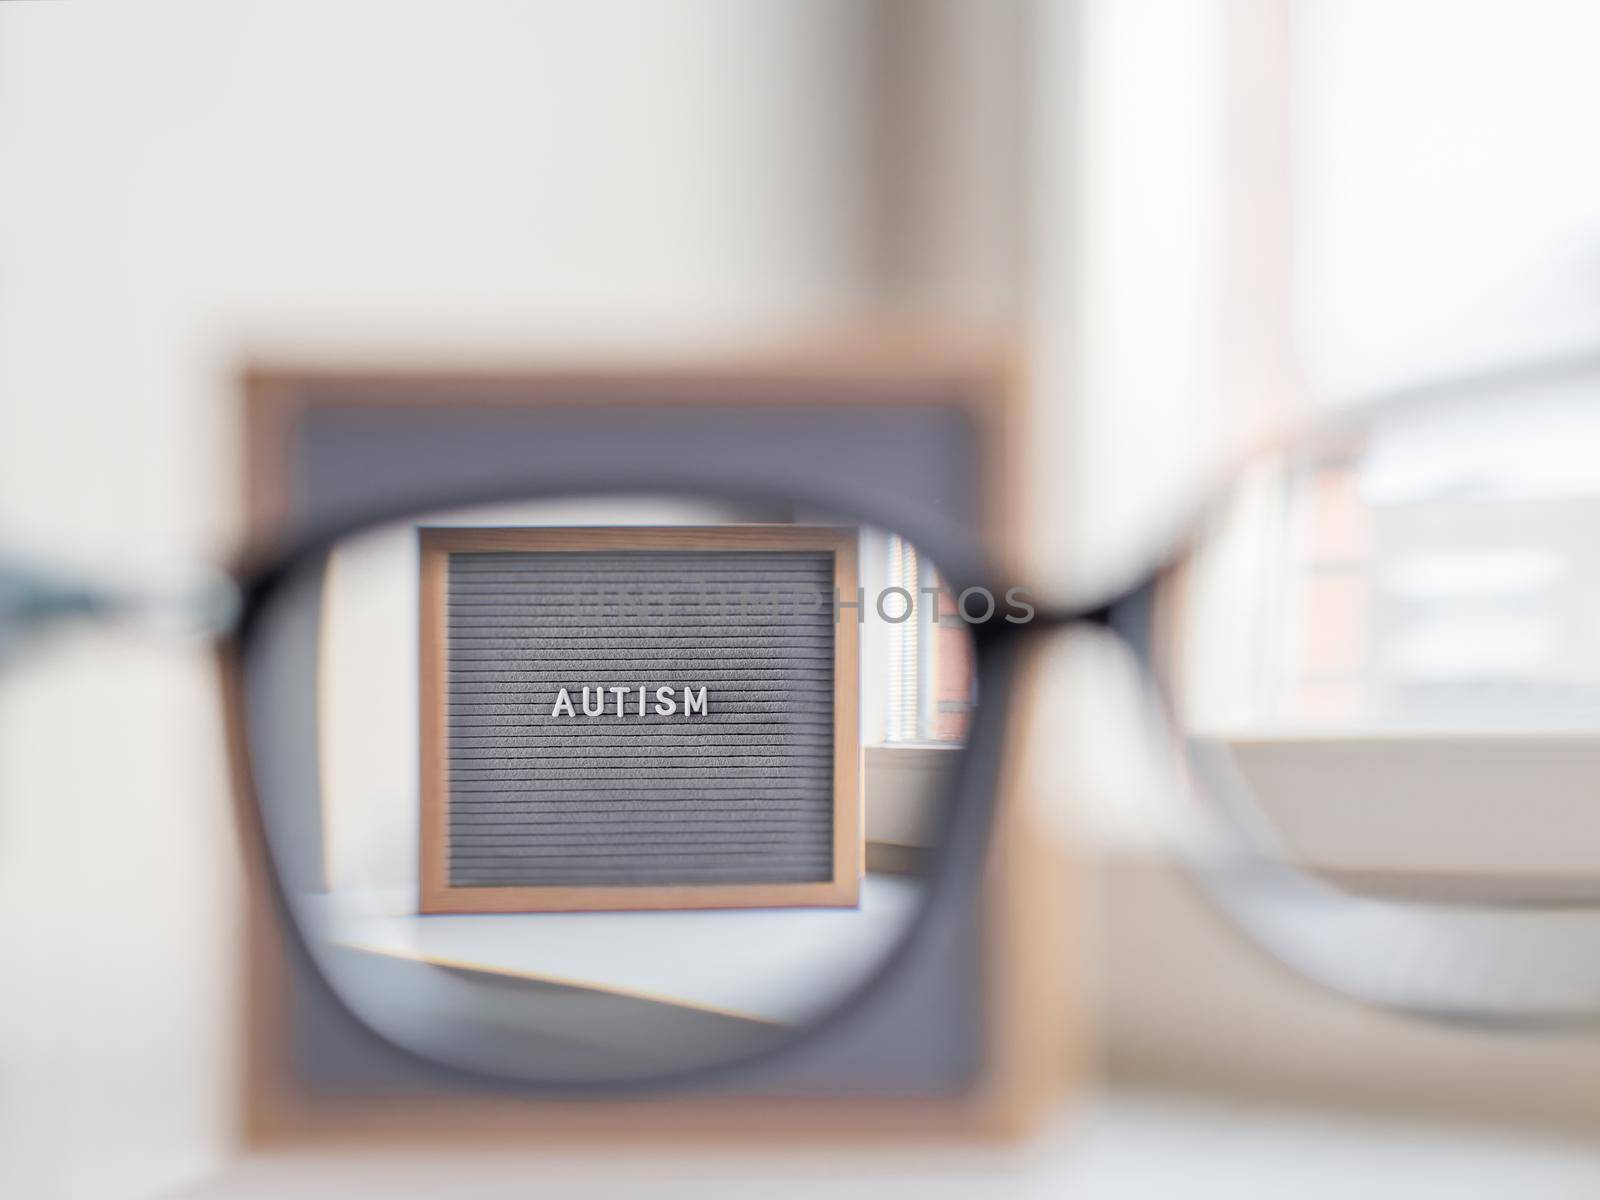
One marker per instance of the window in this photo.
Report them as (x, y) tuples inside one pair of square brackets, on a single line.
[(931, 687)]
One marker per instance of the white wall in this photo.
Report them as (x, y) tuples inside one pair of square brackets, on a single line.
[(186, 183), (1448, 212)]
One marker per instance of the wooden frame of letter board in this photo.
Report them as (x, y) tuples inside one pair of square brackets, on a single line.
[(1034, 1025), (437, 895)]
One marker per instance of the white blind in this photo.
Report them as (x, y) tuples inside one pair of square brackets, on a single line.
[(904, 719)]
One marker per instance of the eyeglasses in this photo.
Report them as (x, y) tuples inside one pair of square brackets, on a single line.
[(622, 784)]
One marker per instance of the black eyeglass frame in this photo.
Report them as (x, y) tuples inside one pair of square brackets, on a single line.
[(1428, 958), (1303, 923), (958, 849)]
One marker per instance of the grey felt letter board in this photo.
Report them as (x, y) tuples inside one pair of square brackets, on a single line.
[(638, 717)]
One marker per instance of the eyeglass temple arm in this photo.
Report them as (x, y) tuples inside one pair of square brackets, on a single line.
[(34, 599)]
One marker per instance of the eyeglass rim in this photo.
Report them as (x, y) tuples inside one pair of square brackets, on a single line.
[(959, 852)]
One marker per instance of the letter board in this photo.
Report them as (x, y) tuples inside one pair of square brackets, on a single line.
[(659, 717)]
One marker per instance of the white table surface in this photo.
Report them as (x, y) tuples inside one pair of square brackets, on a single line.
[(1135, 1147), (777, 964)]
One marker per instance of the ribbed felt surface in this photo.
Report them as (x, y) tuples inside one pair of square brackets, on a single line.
[(742, 794)]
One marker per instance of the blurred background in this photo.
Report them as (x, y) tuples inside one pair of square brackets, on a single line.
[(1195, 222)]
